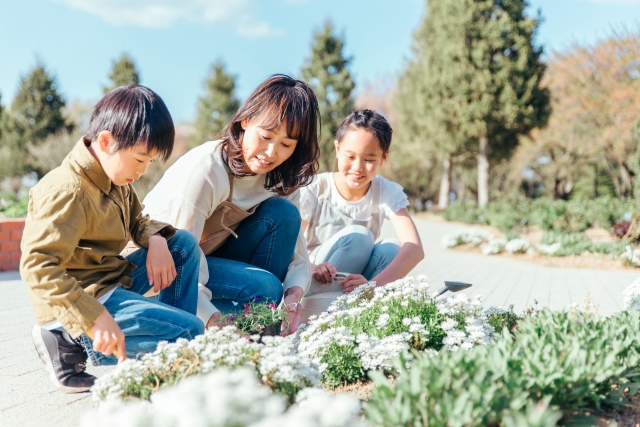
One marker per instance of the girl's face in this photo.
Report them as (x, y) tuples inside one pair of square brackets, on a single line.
[(359, 158), (264, 150)]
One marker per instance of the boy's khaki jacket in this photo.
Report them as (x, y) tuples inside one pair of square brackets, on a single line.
[(78, 224)]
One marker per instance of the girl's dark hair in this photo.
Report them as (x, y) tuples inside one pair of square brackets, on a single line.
[(278, 99), (134, 115), (370, 121)]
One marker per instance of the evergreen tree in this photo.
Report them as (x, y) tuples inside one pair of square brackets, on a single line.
[(326, 71), (123, 73), (475, 80), (217, 106), (36, 110)]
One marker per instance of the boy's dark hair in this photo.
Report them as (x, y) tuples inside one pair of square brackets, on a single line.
[(134, 115), (371, 121), (279, 98)]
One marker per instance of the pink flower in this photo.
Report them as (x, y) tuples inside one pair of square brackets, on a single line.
[(232, 318), (272, 306)]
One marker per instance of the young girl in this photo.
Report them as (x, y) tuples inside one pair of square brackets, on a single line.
[(343, 212), (230, 194)]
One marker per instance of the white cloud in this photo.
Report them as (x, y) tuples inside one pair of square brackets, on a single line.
[(164, 13)]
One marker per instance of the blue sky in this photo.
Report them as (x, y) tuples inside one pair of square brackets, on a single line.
[(175, 41)]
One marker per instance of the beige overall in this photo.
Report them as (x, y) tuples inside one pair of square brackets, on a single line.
[(222, 223)]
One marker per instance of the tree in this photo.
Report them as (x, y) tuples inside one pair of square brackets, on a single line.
[(592, 133), (123, 73), (477, 80), (37, 108), (36, 113), (327, 73), (217, 106)]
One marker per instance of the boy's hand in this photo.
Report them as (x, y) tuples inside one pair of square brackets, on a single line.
[(324, 273), (293, 309), (352, 281), (108, 336), (161, 270)]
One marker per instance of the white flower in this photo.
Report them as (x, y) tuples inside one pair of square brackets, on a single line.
[(549, 249), (631, 256), (493, 246), (517, 246), (406, 321), (382, 321), (632, 296)]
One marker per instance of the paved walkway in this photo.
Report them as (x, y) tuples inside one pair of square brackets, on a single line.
[(28, 399)]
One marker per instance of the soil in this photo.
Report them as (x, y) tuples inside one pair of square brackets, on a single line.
[(361, 389)]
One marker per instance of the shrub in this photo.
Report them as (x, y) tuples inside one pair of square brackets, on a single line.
[(367, 329), (256, 318), (274, 361), (554, 364)]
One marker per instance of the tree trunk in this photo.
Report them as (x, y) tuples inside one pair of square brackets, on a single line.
[(483, 172), (445, 184)]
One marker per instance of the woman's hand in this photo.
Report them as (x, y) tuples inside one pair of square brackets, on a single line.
[(324, 273), (161, 270), (293, 310), (352, 281)]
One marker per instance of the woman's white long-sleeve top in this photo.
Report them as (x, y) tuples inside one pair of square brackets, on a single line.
[(189, 192)]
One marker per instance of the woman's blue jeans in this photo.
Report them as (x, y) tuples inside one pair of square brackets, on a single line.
[(253, 266), (352, 250), (166, 317)]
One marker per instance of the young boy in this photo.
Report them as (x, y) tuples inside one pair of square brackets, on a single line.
[(81, 216)]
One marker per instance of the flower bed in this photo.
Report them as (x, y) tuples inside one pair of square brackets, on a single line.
[(228, 398), (556, 365), (552, 245), (274, 360), (367, 329)]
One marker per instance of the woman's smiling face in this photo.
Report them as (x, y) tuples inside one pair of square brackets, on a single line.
[(263, 149)]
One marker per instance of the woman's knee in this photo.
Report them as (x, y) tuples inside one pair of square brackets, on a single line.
[(270, 289), (281, 211)]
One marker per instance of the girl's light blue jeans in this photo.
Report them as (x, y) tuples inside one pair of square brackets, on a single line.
[(166, 317), (253, 266), (354, 251)]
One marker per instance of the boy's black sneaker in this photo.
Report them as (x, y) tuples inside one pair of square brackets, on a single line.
[(64, 362)]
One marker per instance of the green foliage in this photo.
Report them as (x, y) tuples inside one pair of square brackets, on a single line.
[(217, 106), (12, 206), (327, 73), (123, 73), (256, 318), (556, 362), (560, 216), (578, 243)]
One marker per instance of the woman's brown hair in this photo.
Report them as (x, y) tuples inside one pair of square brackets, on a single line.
[(278, 99)]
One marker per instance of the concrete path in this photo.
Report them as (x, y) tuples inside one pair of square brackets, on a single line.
[(28, 399)]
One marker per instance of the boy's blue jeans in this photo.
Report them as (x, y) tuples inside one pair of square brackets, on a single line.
[(168, 316), (253, 266), (353, 250)]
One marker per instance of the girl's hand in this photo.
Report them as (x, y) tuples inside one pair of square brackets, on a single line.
[(161, 270), (352, 281), (293, 309), (324, 273)]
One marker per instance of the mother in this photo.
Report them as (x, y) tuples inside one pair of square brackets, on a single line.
[(230, 194)]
